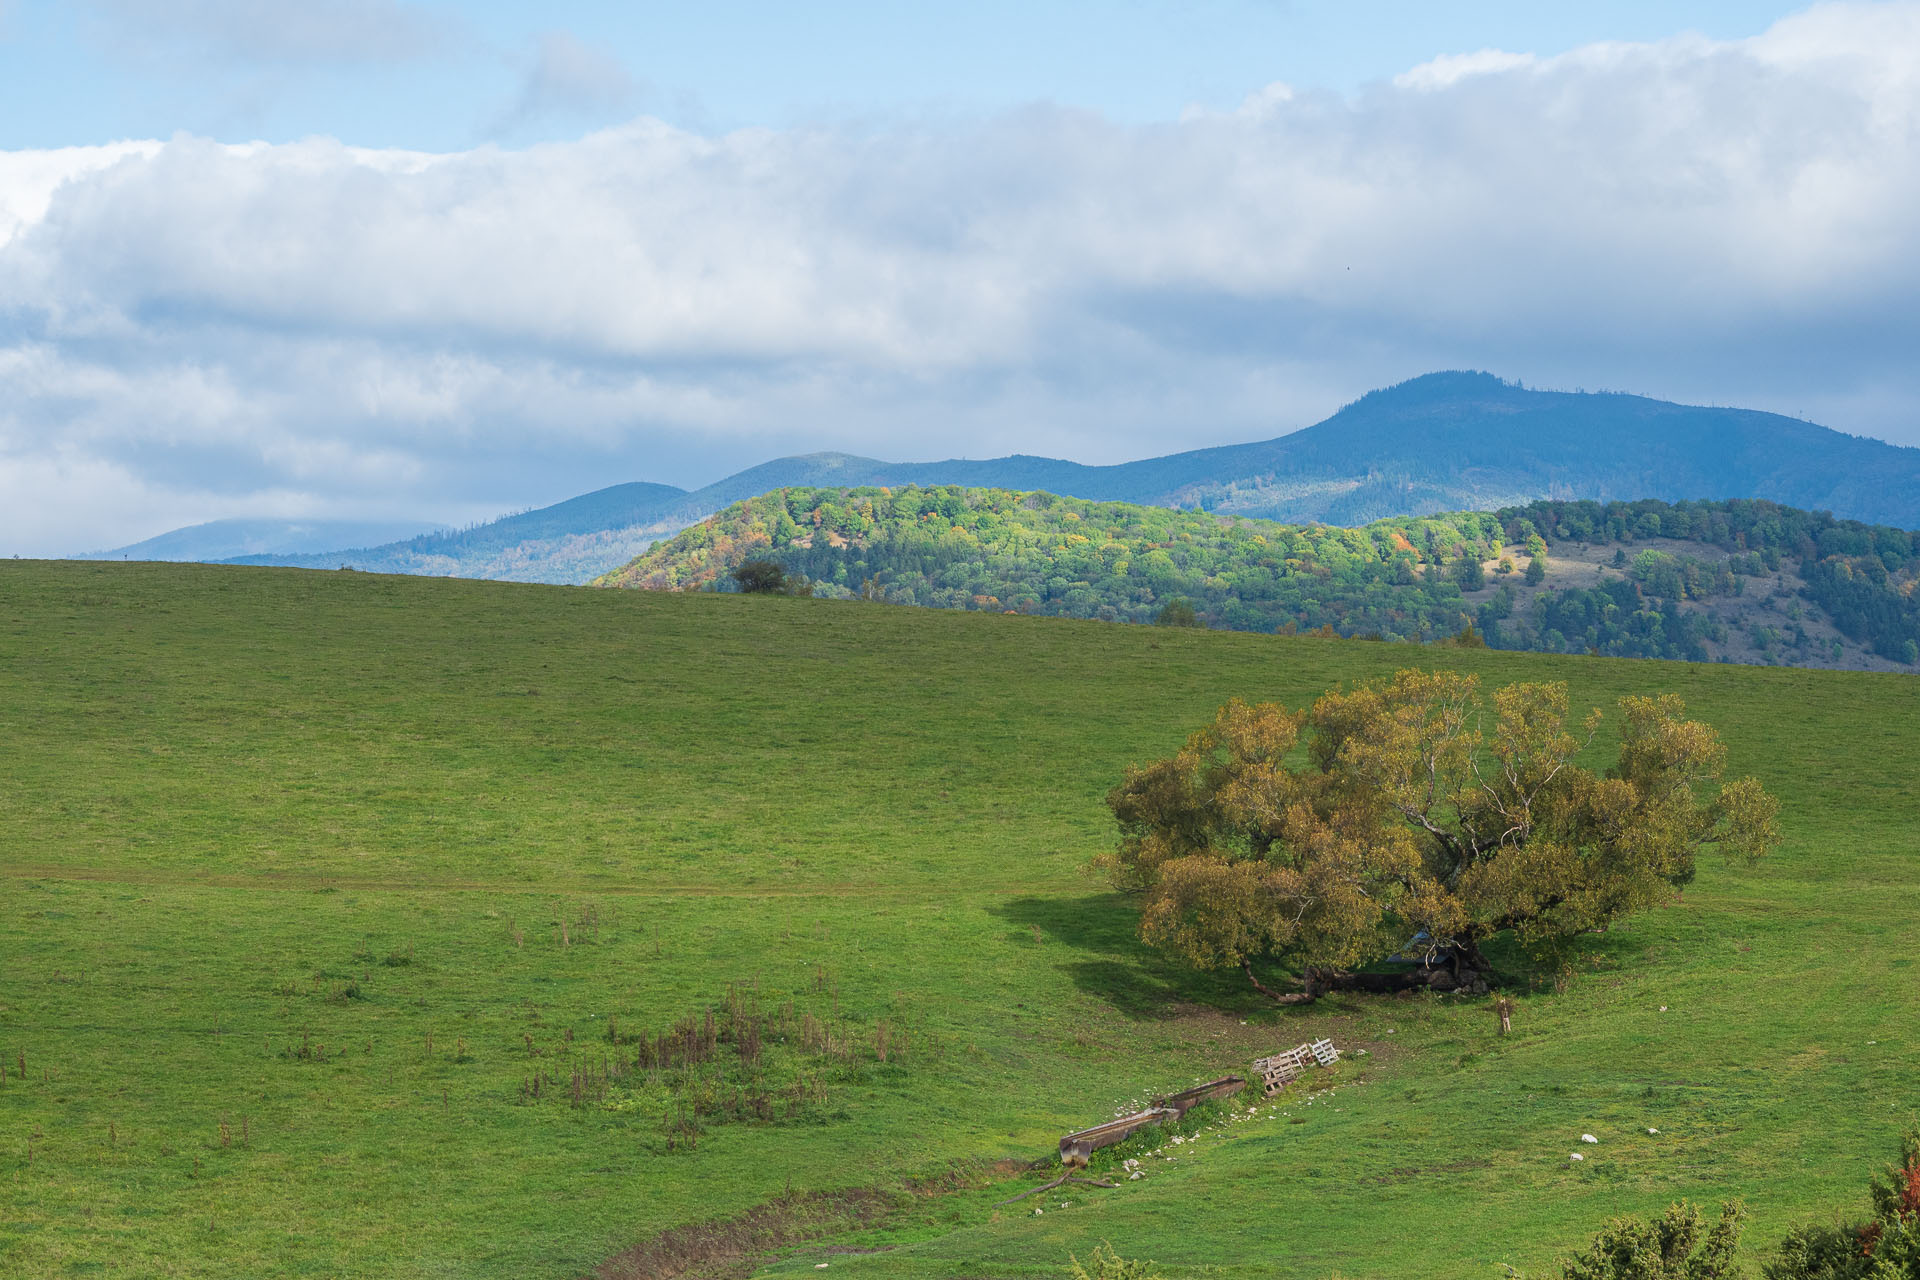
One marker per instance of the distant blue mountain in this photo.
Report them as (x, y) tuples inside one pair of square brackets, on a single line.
[(225, 539), (1442, 442), (1461, 441), (569, 541), (1445, 442)]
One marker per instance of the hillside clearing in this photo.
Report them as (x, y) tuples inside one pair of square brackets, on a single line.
[(447, 830)]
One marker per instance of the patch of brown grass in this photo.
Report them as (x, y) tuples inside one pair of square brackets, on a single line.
[(734, 1247), (728, 1248)]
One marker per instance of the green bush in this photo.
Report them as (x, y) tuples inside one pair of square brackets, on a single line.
[(1884, 1247), (1105, 1264), (1674, 1248), (1178, 613)]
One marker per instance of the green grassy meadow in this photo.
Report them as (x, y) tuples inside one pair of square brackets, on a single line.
[(447, 830)]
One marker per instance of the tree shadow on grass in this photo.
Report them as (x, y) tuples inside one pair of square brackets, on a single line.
[(1109, 962), (1521, 969), (1113, 965)]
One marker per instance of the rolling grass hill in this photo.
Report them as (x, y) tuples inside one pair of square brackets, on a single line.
[(1442, 442), (324, 898)]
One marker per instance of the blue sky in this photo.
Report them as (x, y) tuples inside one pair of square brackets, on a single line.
[(436, 76), (372, 259)]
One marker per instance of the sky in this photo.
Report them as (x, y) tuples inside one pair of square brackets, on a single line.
[(378, 259)]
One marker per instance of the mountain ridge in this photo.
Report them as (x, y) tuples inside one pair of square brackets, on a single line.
[(224, 539), (1447, 441)]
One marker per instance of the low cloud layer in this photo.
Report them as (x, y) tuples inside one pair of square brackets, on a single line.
[(190, 330)]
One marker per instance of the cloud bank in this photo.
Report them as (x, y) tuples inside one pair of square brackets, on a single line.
[(191, 330)]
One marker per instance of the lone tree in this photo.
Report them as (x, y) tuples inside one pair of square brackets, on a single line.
[(761, 577), (1409, 824), (1177, 613)]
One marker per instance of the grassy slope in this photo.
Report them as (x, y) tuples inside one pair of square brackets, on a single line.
[(224, 792)]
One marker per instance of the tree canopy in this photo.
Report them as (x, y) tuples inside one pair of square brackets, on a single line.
[(1394, 816)]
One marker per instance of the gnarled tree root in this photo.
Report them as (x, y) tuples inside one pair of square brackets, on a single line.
[(1466, 980), (1279, 997)]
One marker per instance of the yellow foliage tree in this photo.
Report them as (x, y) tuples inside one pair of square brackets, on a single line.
[(1395, 816)]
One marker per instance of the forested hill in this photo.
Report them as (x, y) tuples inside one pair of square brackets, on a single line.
[(1747, 581)]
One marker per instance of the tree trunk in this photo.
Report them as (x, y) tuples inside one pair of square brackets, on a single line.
[(1307, 996), (1465, 970)]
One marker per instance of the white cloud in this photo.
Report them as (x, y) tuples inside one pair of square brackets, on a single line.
[(28, 179), (373, 332), (1450, 69)]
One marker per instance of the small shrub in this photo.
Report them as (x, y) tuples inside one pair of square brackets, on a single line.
[(1106, 1264), (1673, 1248), (1177, 613)]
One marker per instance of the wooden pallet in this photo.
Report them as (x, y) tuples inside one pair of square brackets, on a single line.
[(1282, 1069)]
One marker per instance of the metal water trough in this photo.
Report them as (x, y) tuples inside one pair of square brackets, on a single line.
[(1076, 1147), (1187, 1099)]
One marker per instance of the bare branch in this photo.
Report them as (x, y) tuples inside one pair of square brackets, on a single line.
[(1057, 1182)]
